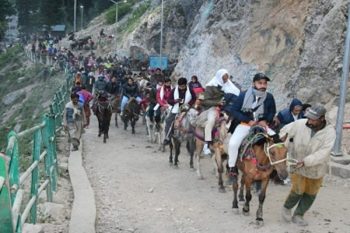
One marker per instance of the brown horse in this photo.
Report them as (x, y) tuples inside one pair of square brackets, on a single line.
[(257, 166), (218, 146), (116, 108)]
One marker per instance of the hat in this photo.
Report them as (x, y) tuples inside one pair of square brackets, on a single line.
[(260, 76), (315, 112)]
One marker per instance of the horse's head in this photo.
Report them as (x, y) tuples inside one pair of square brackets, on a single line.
[(277, 154)]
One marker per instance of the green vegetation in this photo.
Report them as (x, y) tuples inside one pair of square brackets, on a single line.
[(123, 9), (135, 17)]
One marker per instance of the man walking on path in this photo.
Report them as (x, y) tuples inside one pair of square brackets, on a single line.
[(74, 120), (310, 142)]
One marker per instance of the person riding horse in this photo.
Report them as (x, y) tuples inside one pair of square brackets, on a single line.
[(213, 98), (130, 89), (255, 106), (180, 95), (163, 95)]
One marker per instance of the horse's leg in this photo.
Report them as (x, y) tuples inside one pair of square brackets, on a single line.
[(235, 190), (171, 153), (190, 145), (125, 123), (218, 165), (116, 120), (248, 196), (133, 122), (177, 151), (99, 126), (259, 212), (241, 189), (199, 148)]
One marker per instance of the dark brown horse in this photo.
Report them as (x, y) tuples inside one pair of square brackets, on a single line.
[(265, 156), (131, 114), (103, 111)]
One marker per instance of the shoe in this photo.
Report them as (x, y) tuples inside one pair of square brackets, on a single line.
[(286, 214), (206, 150), (299, 220)]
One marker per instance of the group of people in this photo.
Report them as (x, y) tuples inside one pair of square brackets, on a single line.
[(304, 128)]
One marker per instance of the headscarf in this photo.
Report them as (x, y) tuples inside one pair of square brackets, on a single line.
[(227, 87)]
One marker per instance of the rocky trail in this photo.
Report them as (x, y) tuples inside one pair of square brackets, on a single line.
[(137, 191)]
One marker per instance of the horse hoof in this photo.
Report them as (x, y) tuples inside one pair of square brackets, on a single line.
[(235, 211), (245, 213), (222, 190), (241, 199), (259, 222), (176, 166), (99, 135)]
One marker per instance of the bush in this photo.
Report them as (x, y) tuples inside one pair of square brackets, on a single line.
[(136, 15), (123, 9)]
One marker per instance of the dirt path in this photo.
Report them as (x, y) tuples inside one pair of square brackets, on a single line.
[(137, 191)]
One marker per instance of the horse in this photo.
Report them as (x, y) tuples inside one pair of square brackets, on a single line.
[(116, 108), (131, 113), (183, 132), (103, 110), (220, 155), (260, 155)]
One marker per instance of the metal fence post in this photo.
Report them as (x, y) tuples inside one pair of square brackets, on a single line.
[(5, 198), (35, 173), (48, 162), (12, 153), (337, 151)]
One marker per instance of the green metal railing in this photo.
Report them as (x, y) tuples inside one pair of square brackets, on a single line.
[(43, 169)]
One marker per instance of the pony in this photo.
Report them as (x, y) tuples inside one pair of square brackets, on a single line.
[(116, 108), (259, 156), (131, 114), (220, 155), (102, 108), (182, 132), (155, 128)]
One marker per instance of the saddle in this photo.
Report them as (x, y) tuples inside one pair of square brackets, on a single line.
[(257, 135)]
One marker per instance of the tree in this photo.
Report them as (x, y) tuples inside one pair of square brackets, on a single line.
[(6, 9)]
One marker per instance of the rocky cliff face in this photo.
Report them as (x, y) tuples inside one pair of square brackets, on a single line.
[(298, 43)]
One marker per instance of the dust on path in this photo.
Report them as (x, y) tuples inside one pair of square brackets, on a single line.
[(137, 191)]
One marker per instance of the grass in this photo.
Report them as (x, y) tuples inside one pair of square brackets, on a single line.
[(135, 17), (15, 76), (123, 9)]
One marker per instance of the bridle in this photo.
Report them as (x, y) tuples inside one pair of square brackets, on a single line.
[(290, 161)]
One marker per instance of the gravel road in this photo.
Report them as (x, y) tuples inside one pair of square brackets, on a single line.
[(137, 191)]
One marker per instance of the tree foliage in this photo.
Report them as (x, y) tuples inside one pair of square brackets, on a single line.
[(6, 9), (33, 14)]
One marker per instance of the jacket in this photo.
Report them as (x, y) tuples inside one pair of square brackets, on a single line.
[(285, 116), (269, 109), (182, 94), (130, 90), (167, 93), (313, 150)]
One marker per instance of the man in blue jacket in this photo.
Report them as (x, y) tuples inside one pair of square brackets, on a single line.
[(288, 115), (255, 106)]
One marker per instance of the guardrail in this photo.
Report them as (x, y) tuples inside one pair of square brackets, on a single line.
[(12, 194)]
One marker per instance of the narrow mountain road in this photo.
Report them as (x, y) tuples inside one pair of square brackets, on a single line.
[(137, 191)]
